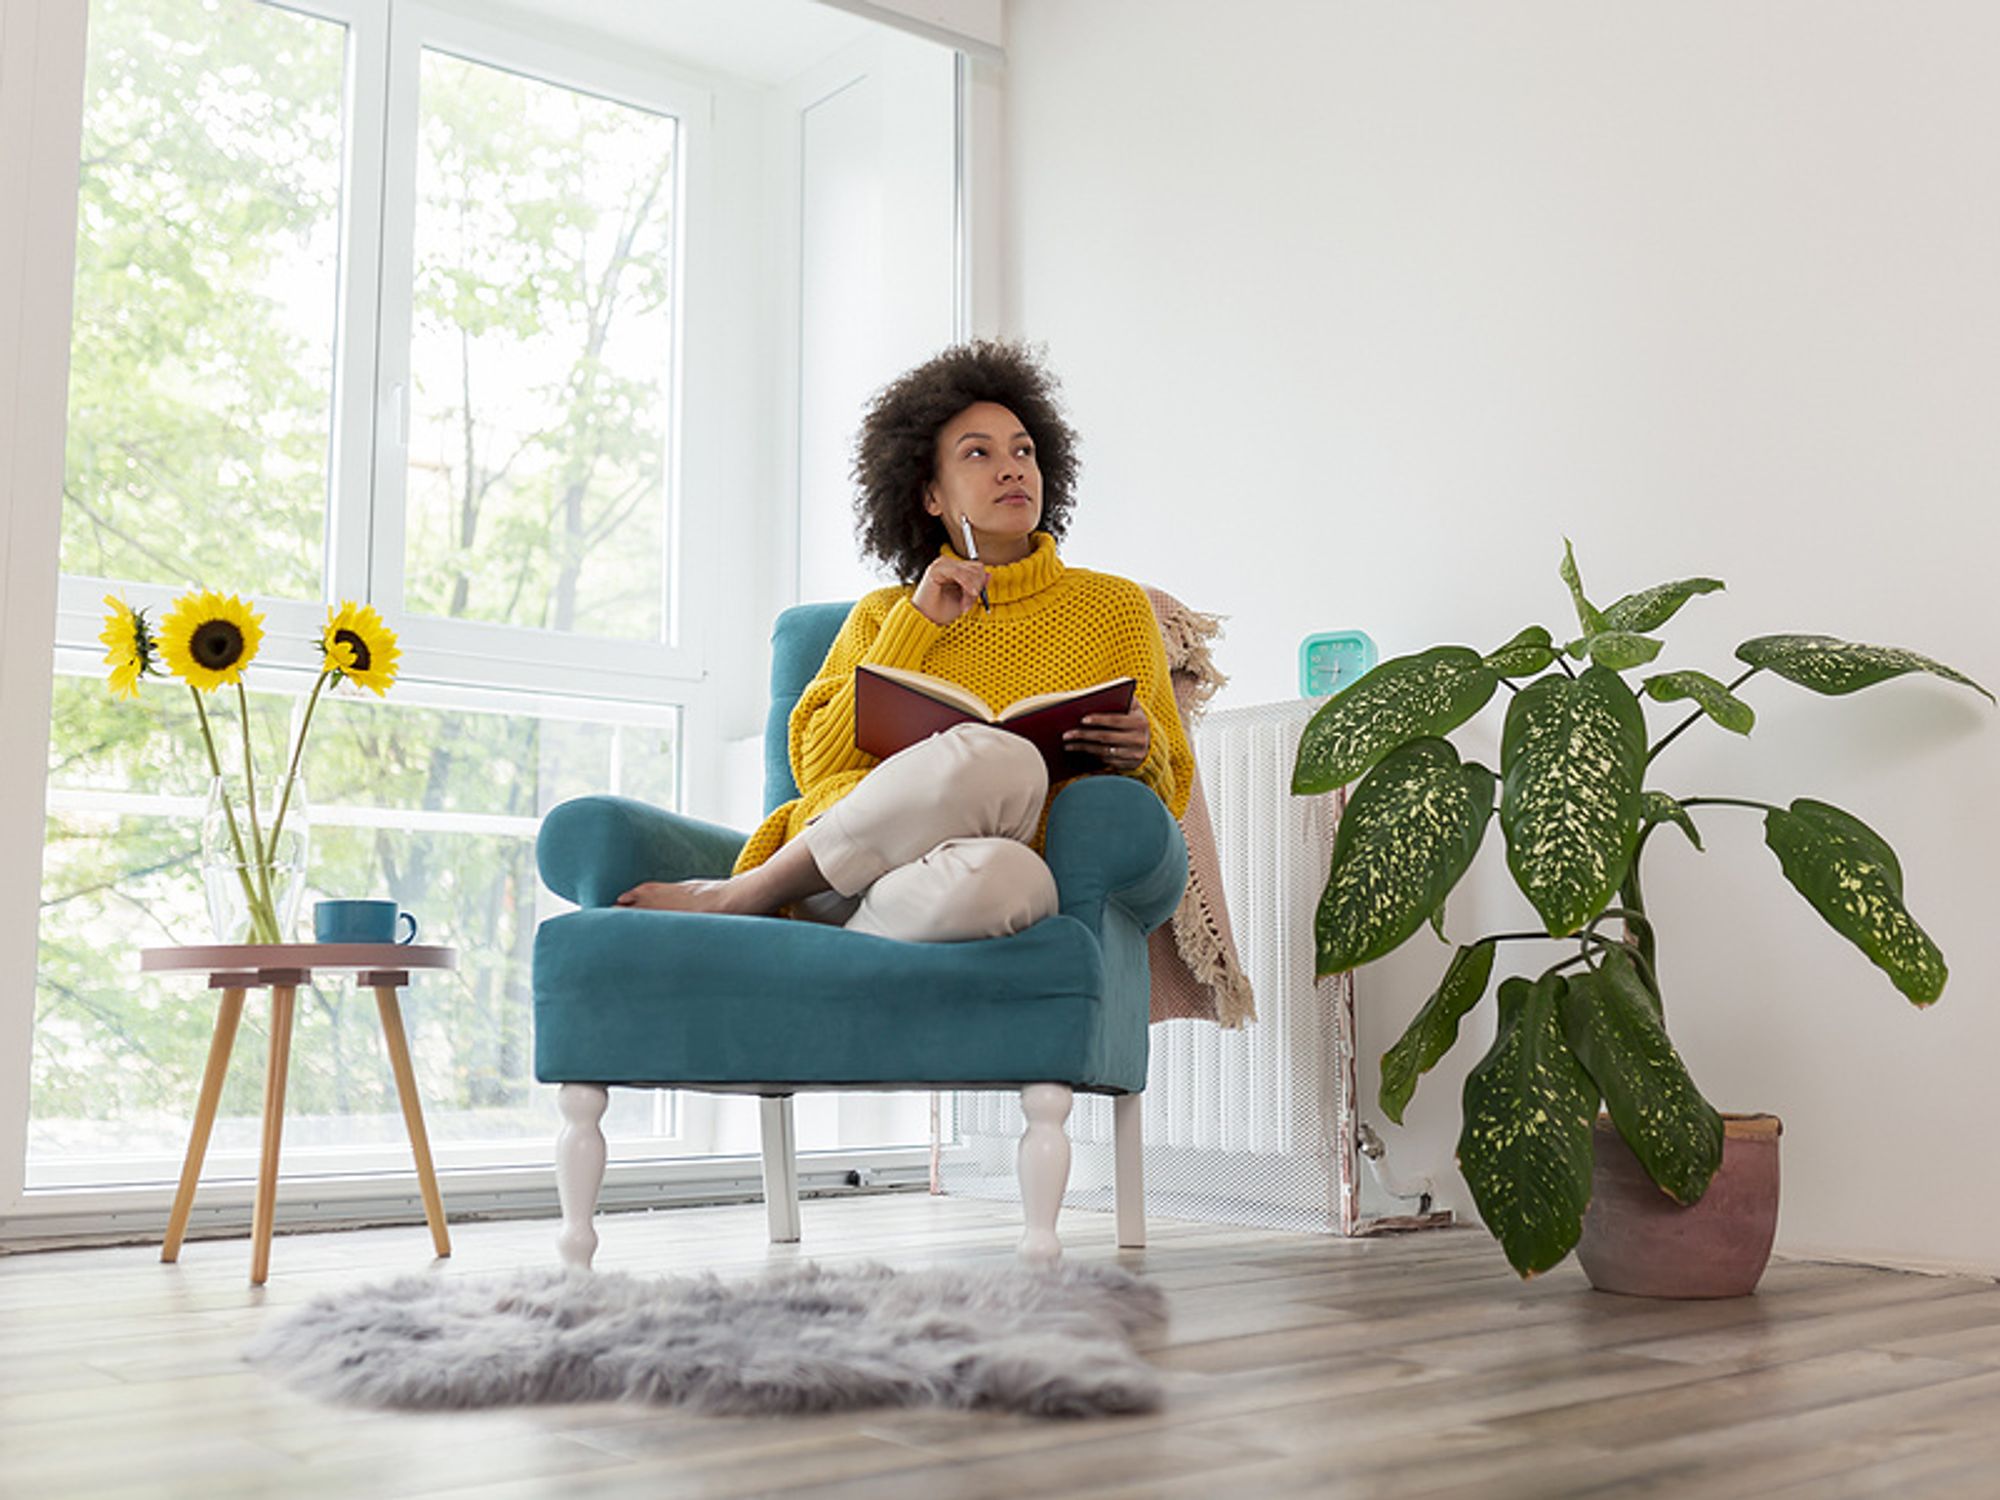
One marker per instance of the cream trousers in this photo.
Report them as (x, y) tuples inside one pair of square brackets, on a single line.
[(932, 846)]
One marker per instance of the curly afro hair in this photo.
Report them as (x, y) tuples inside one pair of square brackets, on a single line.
[(895, 455)]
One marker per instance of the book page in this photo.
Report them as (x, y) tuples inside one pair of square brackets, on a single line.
[(937, 688), (1036, 701)]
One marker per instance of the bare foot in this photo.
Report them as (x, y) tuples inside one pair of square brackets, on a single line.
[(722, 896)]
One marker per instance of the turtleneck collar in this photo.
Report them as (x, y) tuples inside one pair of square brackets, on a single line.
[(1009, 582)]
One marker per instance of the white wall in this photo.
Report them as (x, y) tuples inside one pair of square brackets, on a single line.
[(872, 198), (1361, 308)]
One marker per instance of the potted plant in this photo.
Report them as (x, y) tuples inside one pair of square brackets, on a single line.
[(1577, 813)]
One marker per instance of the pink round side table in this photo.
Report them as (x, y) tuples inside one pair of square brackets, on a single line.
[(235, 968)]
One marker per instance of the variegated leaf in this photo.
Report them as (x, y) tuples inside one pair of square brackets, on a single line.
[(1651, 608), (1613, 1027), (1525, 1144), (1831, 666), (1620, 650), (1530, 652), (1435, 1028), (1403, 699), (1571, 759), (1713, 697), (1658, 807), (1852, 878), (1410, 829), (1588, 619)]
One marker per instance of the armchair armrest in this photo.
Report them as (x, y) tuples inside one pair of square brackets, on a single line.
[(593, 849), (1111, 839)]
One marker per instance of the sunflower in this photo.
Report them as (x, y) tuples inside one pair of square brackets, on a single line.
[(358, 646), (130, 652), (209, 638)]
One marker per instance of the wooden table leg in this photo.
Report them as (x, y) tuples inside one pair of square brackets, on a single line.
[(219, 1048), (274, 1129), (413, 1112)]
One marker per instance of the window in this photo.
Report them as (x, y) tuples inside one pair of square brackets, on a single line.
[(542, 307), (208, 227), (485, 326), (434, 807), (318, 356)]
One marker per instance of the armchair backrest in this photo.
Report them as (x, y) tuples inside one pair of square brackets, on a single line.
[(799, 643)]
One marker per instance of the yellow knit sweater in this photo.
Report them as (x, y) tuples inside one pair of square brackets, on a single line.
[(1051, 629)]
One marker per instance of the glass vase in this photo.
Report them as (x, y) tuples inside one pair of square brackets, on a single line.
[(253, 899)]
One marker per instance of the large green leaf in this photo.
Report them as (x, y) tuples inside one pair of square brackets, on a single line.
[(1435, 1028), (1613, 1027), (1619, 650), (1588, 618), (1852, 878), (1403, 699), (1713, 698), (1658, 807), (1831, 666), (1525, 1145), (1571, 759), (1651, 608), (1410, 829), (1532, 651)]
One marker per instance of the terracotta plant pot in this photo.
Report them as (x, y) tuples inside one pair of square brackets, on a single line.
[(1640, 1243)]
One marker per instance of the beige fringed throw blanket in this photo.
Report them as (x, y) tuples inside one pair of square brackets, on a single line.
[(1196, 973)]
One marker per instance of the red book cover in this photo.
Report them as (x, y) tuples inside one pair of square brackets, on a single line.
[(894, 708)]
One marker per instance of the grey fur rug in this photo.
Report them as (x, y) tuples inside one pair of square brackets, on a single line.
[(1050, 1343)]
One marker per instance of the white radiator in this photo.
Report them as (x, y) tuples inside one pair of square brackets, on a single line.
[(1254, 1126)]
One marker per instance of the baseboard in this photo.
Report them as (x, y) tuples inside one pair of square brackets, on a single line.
[(390, 1207), (1910, 1265)]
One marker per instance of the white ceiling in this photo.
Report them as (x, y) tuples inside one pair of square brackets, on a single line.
[(761, 41)]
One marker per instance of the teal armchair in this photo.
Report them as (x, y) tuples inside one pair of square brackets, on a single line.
[(756, 1005)]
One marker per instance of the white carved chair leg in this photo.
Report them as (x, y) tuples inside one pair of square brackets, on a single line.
[(1044, 1168), (579, 1169), (1129, 1168), (781, 1170)]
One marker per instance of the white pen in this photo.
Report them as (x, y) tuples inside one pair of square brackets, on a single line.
[(972, 555)]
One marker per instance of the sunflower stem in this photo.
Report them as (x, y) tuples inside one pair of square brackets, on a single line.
[(263, 915), (228, 809), (292, 770)]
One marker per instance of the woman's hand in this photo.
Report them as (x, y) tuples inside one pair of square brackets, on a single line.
[(1119, 740), (950, 586)]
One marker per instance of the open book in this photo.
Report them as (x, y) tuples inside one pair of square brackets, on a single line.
[(895, 707)]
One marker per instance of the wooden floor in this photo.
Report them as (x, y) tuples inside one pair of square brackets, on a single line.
[(1298, 1365)]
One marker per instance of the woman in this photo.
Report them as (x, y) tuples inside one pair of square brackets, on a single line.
[(937, 843)]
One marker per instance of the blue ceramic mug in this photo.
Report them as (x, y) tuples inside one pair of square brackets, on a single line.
[(347, 921)]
